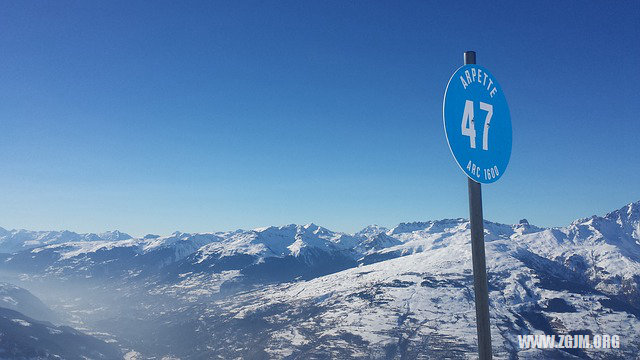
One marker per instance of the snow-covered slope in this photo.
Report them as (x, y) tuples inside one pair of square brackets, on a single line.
[(419, 303), (307, 292)]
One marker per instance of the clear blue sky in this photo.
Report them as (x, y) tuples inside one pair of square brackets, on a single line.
[(215, 115)]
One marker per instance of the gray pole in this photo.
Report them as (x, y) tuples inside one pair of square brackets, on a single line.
[(480, 286)]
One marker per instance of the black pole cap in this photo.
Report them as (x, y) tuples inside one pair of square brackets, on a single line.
[(469, 57)]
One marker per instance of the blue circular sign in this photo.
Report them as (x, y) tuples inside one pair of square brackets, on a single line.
[(477, 123)]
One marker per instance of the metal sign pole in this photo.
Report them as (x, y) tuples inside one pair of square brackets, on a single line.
[(480, 286)]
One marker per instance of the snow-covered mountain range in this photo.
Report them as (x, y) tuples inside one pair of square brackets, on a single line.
[(303, 291)]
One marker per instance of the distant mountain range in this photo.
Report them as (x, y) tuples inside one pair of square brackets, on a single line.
[(303, 291)]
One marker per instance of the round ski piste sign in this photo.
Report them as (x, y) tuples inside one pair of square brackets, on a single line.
[(477, 123)]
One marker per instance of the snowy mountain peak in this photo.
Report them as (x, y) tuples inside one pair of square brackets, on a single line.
[(410, 227), (316, 230), (371, 230), (114, 236), (620, 227), (430, 226), (310, 226), (288, 229), (627, 214)]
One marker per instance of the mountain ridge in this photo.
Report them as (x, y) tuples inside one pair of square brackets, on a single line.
[(304, 291), (36, 238)]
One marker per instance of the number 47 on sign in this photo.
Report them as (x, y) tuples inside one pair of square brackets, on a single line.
[(468, 127)]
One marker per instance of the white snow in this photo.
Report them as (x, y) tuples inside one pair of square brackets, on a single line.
[(21, 322)]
